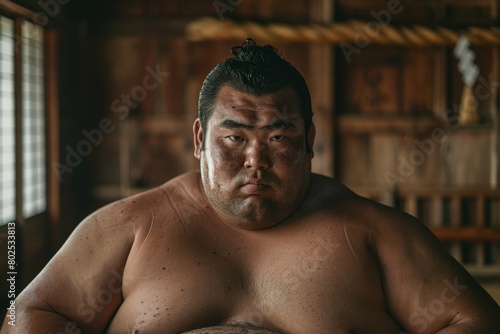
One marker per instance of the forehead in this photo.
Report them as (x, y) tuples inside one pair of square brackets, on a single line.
[(233, 104)]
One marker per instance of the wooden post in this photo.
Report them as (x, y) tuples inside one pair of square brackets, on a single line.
[(411, 205), (455, 219), (321, 87), (436, 214), (480, 207), (495, 138), (52, 149)]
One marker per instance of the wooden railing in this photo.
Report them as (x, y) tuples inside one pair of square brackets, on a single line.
[(467, 221)]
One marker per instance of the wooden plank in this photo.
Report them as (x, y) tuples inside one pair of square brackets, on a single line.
[(455, 12), (470, 233), (480, 222), (439, 88), (369, 124), (124, 154), (14, 8), (436, 214), (495, 137), (455, 219), (411, 205), (52, 121), (386, 196), (480, 211), (430, 192), (486, 271), (144, 26), (452, 192), (321, 87), (421, 81), (353, 163)]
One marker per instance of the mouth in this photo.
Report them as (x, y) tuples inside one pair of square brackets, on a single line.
[(255, 187)]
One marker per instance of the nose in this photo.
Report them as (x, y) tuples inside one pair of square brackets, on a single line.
[(256, 156)]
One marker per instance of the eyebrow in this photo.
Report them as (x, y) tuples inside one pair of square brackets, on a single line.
[(279, 124), (231, 124)]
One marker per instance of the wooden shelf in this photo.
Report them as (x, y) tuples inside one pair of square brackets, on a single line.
[(402, 124), (110, 193), (372, 124), (469, 233), (174, 126)]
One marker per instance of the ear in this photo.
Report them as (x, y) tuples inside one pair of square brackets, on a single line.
[(198, 138), (311, 134)]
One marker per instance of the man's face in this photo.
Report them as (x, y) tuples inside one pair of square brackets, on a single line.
[(256, 162)]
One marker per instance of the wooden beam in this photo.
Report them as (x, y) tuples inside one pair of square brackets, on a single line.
[(469, 233), (14, 8), (141, 26), (372, 124)]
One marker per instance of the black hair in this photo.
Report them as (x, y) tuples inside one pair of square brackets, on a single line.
[(255, 70)]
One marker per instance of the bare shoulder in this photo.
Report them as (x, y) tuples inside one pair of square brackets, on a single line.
[(425, 288), (93, 259), (325, 192), (128, 220), (360, 210), (184, 187), (321, 184), (139, 209)]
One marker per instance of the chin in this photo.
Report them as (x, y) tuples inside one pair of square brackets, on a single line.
[(261, 218), (258, 225)]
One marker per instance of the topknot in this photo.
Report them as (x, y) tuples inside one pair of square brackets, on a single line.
[(250, 50)]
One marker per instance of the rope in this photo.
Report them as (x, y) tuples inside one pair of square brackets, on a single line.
[(210, 29)]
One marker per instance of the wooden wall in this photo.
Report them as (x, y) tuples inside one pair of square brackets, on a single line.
[(397, 109), (386, 115), (152, 140), (399, 138)]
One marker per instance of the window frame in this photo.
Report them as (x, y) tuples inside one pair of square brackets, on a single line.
[(51, 214)]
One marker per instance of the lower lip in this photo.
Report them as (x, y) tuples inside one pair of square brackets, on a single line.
[(254, 188)]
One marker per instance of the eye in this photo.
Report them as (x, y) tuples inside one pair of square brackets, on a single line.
[(277, 138), (235, 138)]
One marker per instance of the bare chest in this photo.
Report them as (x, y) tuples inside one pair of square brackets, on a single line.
[(316, 282)]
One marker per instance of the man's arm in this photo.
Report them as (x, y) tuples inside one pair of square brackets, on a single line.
[(426, 289), (81, 287)]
